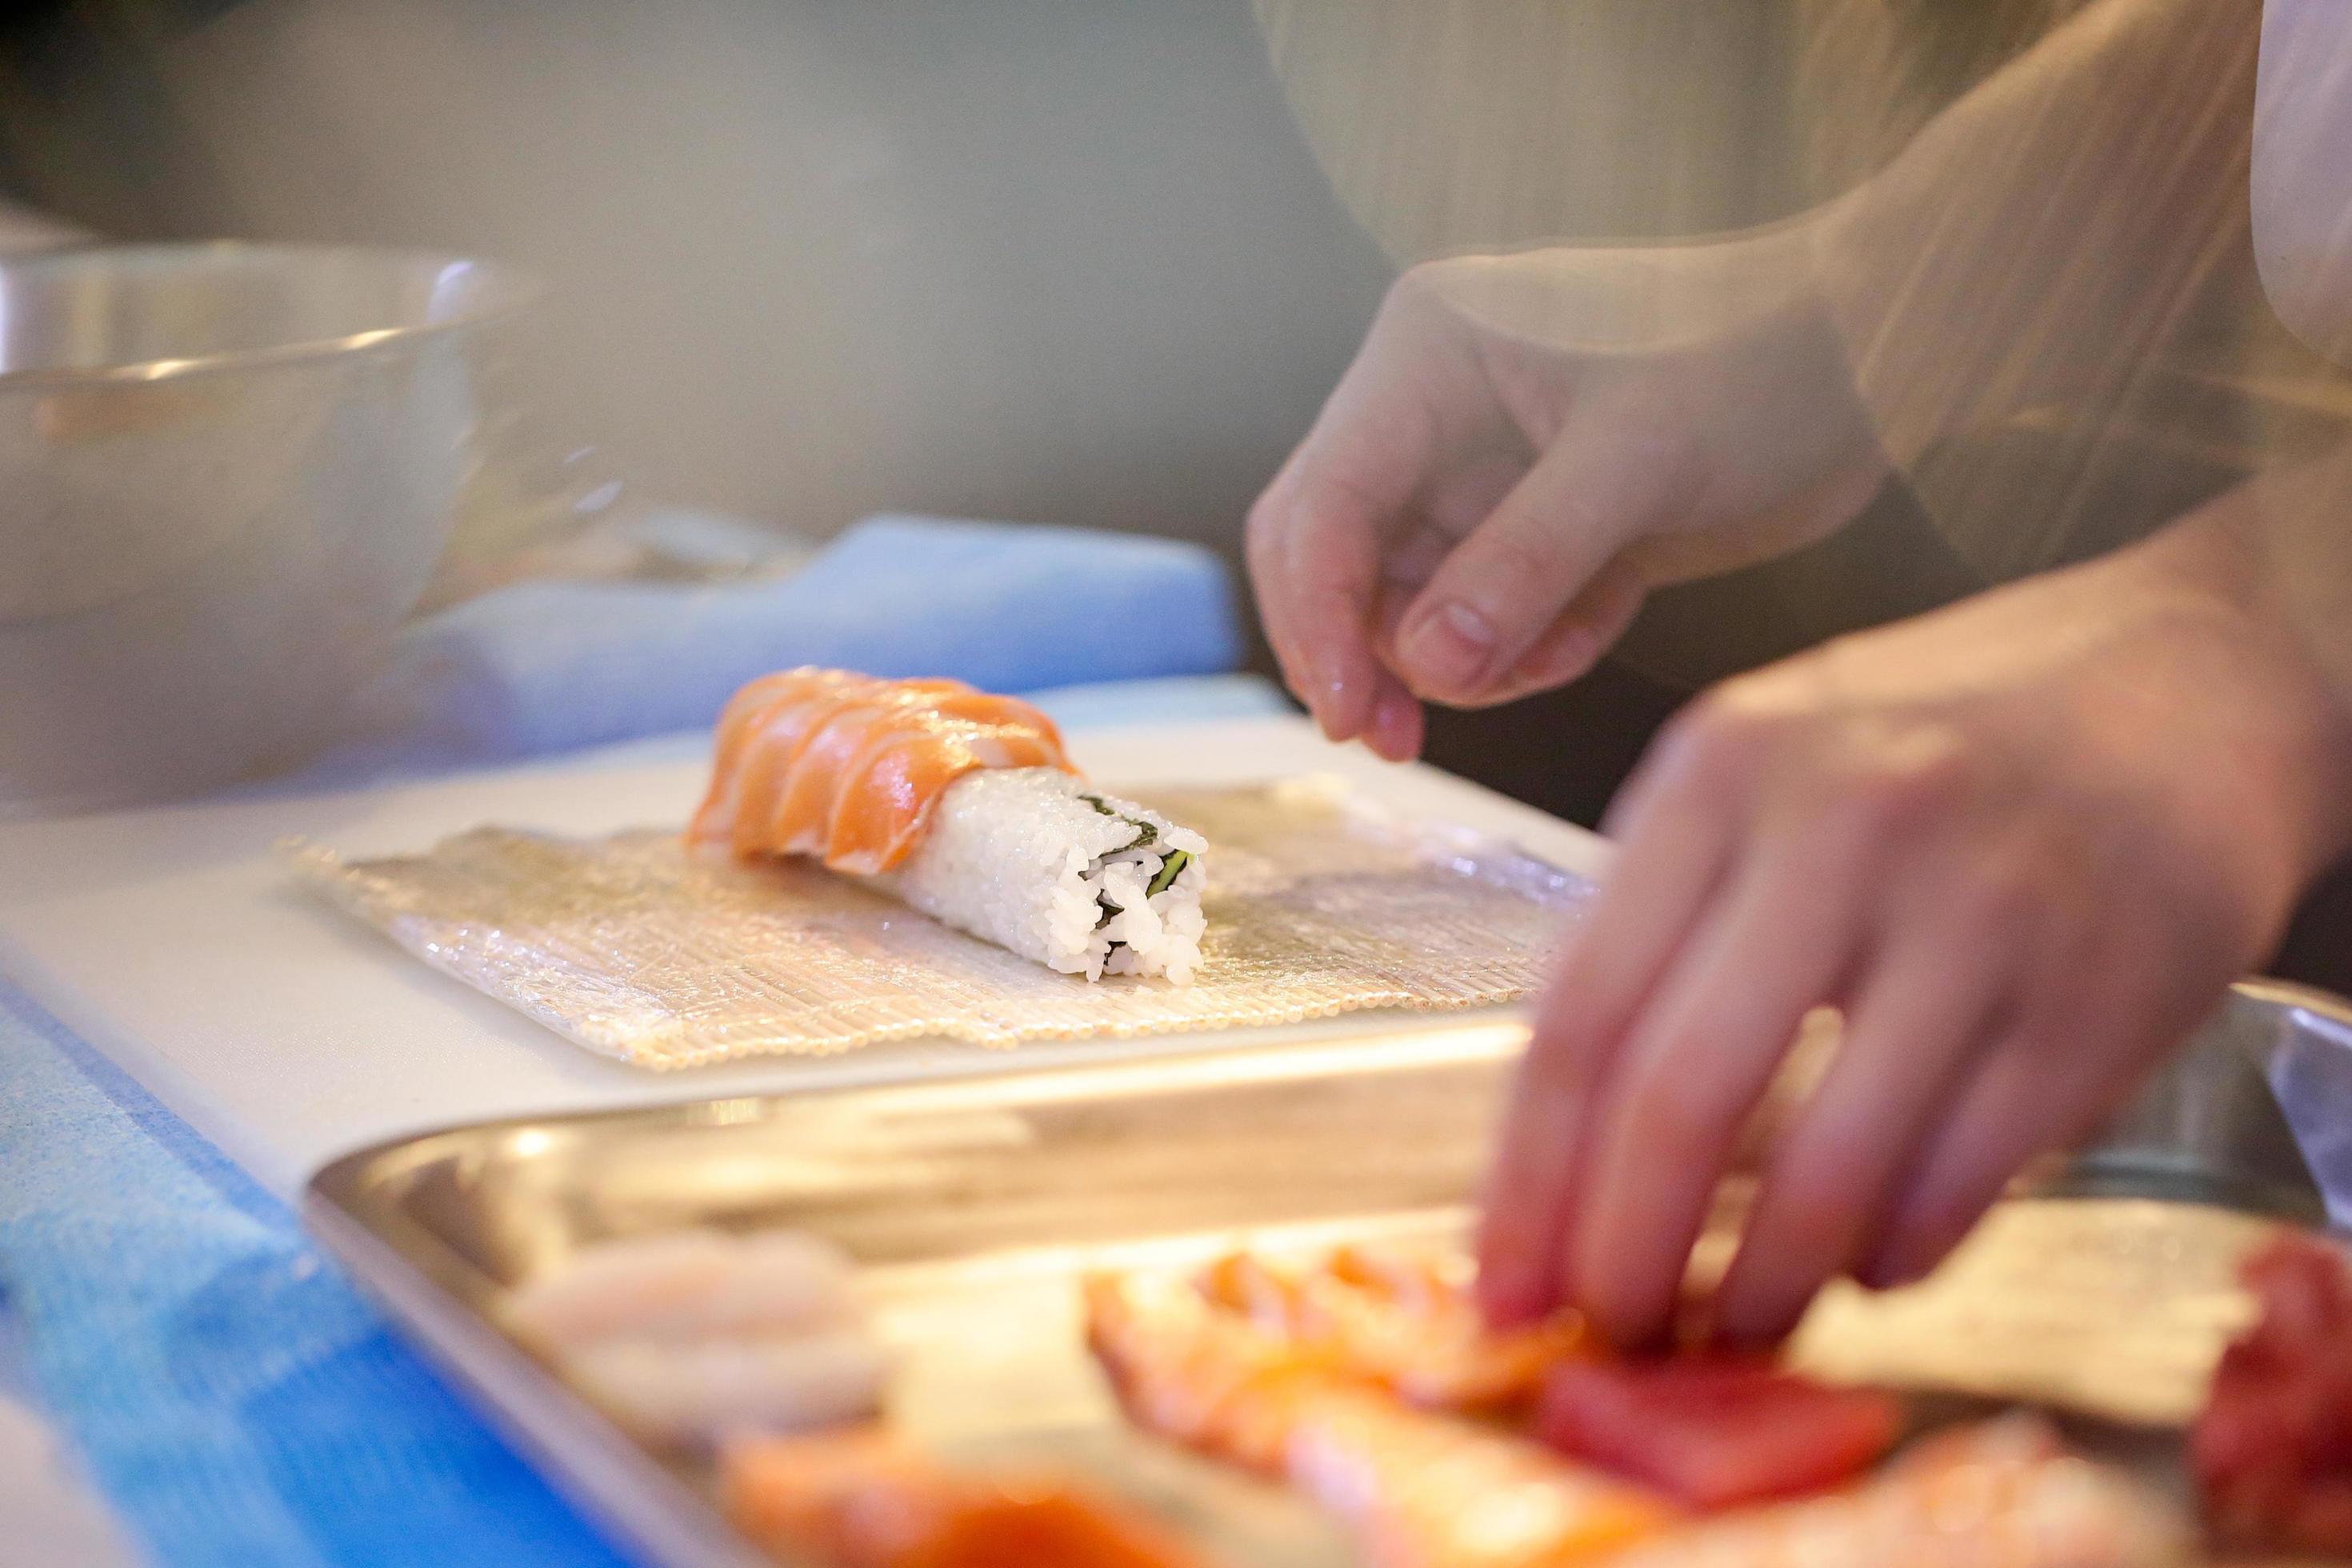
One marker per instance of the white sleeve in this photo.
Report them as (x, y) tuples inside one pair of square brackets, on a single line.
[(2303, 170)]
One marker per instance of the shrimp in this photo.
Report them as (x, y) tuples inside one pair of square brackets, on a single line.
[(1417, 1489), (1403, 1322), (1207, 1378), (1307, 1375), (1422, 1491)]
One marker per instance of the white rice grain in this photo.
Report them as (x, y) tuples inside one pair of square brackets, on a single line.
[(1025, 858)]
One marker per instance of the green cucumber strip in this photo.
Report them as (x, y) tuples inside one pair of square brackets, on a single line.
[(1146, 834), (1170, 869)]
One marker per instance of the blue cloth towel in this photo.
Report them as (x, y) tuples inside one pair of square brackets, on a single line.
[(550, 666), (234, 1398)]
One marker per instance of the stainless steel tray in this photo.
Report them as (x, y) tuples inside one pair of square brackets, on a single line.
[(972, 1204)]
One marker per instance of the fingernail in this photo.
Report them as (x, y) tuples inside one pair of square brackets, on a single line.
[(1451, 647), (1336, 702), (1392, 726)]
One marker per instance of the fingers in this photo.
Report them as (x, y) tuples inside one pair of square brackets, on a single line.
[(1573, 644), (1524, 1215), (1457, 501), (1397, 728), (2052, 1080), (2027, 1099), (1913, 1031), (1688, 1008), (1314, 561), (1654, 895), (1588, 628), (2044, 907), (2097, 1013), (1695, 1063), (1499, 591), (1314, 538)]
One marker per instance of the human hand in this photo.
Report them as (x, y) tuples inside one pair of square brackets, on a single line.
[(1526, 445), (2023, 843)]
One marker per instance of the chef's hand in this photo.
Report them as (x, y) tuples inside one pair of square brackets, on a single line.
[(1502, 473), (2024, 842)]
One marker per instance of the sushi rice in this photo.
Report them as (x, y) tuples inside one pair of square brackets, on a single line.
[(1036, 860)]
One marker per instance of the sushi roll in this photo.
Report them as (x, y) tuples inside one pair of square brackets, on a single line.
[(965, 806)]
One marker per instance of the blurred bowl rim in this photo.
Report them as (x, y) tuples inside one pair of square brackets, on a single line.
[(509, 291)]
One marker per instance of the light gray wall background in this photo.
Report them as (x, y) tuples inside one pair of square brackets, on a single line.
[(1064, 260), (1022, 259)]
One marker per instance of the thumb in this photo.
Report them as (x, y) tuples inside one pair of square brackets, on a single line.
[(1602, 483)]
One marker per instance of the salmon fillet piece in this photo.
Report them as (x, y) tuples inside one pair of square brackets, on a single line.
[(845, 767), (862, 1500)]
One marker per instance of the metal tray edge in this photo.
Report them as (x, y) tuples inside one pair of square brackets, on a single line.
[(596, 1468)]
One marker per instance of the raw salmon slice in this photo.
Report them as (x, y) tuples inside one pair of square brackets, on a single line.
[(862, 1500), (845, 767)]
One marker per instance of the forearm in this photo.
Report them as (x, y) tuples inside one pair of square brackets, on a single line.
[(2044, 233), (2294, 528), (2275, 555)]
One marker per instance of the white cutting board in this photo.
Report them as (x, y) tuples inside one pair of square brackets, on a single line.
[(173, 942)]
